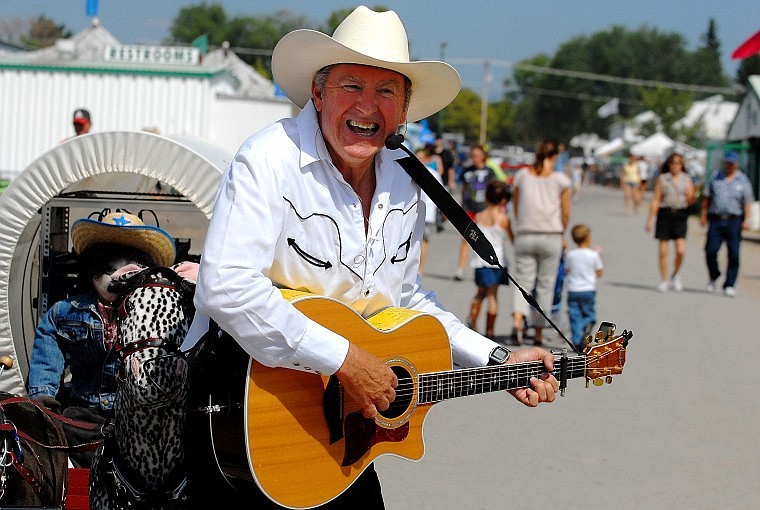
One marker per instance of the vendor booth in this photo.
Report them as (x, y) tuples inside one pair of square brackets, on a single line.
[(171, 181)]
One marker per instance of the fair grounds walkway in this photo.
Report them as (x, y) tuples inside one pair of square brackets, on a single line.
[(677, 430)]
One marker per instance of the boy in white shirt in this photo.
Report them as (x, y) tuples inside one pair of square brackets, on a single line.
[(582, 267)]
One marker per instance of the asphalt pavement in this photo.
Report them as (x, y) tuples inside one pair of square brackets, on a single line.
[(677, 430)]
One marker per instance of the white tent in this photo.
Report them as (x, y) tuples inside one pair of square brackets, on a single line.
[(611, 147), (589, 142), (115, 161), (657, 146)]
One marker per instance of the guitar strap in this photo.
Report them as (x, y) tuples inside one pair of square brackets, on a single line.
[(466, 227)]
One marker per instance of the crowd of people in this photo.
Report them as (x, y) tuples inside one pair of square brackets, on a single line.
[(535, 226)]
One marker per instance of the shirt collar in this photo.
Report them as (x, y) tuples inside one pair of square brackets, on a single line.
[(312, 144)]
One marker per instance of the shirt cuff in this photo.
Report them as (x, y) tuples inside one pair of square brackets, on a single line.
[(320, 351), (39, 391), (471, 349)]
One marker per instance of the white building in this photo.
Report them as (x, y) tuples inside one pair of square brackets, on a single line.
[(746, 124), (713, 114), (745, 130), (172, 90)]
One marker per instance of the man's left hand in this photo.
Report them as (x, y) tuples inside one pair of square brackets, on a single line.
[(541, 390)]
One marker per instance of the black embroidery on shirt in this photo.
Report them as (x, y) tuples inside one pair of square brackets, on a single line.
[(403, 249), (337, 229), (406, 245), (314, 261)]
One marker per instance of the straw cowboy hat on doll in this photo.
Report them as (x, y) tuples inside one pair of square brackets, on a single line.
[(124, 229), (365, 37)]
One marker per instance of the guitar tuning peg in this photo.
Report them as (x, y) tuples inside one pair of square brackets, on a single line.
[(608, 379), (598, 382)]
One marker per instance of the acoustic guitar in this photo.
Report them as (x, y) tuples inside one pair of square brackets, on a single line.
[(304, 441)]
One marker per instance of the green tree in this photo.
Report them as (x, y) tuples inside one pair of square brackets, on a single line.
[(559, 105), (43, 32), (260, 34), (255, 36), (706, 66), (200, 19), (748, 67), (500, 115), (462, 115), (669, 105)]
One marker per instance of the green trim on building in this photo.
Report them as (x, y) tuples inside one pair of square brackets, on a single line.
[(183, 72)]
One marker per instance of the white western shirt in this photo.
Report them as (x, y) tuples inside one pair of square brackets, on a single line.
[(285, 217)]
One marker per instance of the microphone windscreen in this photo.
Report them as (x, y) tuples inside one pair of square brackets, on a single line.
[(394, 142)]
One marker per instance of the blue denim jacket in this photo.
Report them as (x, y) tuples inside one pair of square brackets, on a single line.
[(72, 329)]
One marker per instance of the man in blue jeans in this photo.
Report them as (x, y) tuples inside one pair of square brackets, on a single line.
[(725, 206)]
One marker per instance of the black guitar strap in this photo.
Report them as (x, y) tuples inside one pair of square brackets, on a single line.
[(468, 229), (450, 208)]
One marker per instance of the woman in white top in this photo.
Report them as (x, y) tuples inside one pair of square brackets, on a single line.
[(541, 205)]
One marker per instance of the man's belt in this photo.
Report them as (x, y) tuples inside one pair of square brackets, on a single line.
[(724, 216)]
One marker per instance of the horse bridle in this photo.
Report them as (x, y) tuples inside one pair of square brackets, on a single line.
[(152, 277)]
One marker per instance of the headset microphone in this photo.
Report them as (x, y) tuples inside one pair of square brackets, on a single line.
[(394, 142)]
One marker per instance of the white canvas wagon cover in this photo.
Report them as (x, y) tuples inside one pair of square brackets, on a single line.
[(121, 161)]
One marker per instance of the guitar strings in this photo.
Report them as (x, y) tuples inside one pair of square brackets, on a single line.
[(494, 375)]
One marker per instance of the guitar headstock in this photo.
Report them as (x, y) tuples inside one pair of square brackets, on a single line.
[(605, 354)]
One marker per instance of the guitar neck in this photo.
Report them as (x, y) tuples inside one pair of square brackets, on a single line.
[(438, 386)]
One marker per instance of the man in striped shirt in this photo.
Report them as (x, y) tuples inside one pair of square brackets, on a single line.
[(727, 197)]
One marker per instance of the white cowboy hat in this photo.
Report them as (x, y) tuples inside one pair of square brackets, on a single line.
[(365, 37), (127, 230)]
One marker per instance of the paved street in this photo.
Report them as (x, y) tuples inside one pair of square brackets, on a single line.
[(677, 430)]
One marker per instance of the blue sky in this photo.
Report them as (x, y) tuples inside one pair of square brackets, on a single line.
[(501, 31)]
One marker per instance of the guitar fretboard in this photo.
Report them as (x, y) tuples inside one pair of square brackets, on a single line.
[(438, 386)]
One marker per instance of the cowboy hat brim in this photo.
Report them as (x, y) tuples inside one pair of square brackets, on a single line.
[(301, 53), (155, 242)]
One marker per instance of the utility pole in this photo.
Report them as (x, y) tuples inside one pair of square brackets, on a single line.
[(484, 102), (440, 113)]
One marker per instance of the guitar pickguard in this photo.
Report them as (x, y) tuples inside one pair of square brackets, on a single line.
[(362, 433)]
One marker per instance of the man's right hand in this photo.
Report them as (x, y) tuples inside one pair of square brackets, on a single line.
[(368, 381)]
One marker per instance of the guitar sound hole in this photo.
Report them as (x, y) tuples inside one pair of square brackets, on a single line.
[(403, 394)]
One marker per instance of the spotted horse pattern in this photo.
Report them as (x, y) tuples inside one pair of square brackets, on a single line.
[(141, 463)]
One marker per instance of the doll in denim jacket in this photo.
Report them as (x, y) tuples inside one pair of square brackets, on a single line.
[(81, 331)]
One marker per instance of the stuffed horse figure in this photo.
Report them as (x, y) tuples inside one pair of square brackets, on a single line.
[(33, 460), (142, 462)]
